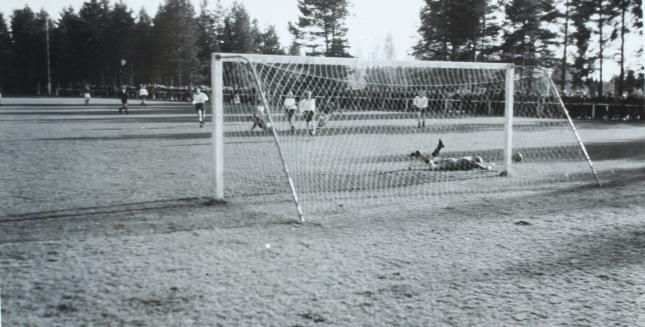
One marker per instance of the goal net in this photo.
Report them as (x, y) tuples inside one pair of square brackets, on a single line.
[(328, 130)]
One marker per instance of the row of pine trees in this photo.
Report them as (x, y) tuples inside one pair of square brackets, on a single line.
[(105, 43), (573, 37)]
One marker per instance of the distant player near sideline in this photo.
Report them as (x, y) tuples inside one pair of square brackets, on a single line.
[(143, 94), (258, 117), (87, 95), (307, 108), (290, 107), (123, 94), (326, 112), (199, 99), (450, 164), (420, 103)]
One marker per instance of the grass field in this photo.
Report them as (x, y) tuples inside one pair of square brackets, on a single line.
[(104, 220)]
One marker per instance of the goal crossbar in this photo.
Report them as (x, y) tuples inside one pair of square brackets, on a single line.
[(278, 59)]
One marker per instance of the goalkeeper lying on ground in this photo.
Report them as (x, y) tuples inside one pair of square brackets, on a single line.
[(450, 164)]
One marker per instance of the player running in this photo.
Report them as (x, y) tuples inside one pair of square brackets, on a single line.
[(450, 164), (307, 108), (420, 102), (199, 99), (123, 94), (290, 107), (87, 95)]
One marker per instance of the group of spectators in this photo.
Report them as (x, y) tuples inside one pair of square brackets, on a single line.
[(487, 103), (630, 106), (155, 91)]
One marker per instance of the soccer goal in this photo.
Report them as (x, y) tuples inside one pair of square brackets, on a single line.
[(313, 129)]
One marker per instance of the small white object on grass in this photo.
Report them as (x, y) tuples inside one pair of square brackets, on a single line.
[(268, 245)]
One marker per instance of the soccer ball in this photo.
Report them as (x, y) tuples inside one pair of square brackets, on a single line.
[(518, 157)]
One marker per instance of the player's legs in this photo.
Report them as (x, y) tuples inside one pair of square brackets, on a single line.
[(423, 117), (199, 107), (255, 122), (124, 106), (436, 151), (418, 118), (291, 113), (309, 117), (261, 123), (423, 157)]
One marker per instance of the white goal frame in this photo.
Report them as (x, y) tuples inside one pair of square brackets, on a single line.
[(217, 60)]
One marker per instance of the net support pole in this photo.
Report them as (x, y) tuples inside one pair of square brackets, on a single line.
[(575, 131), (217, 110), (509, 91), (292, 186), (263, 97)]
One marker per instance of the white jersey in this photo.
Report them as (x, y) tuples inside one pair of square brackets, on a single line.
[(143, 92), (200, 98), (290, 103), (420, 102), (307, 105)]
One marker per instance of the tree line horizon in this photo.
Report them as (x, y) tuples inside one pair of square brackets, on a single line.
[(105, 44)]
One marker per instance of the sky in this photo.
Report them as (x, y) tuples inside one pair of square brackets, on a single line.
[(369, 24)]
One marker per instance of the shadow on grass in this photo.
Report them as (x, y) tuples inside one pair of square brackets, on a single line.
[(623, 245), (298, 133), (626, 149), (608, 248), (194, 214), (607, 124), (138, 218), (112, 209)]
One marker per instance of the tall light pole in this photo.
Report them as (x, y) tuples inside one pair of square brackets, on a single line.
[(49, 81)]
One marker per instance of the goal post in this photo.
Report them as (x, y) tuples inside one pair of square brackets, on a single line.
[(509, 87), (218, 123), (217, 139), (310, 129)]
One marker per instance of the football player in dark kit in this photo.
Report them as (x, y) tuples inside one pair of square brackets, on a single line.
[(124, 100)]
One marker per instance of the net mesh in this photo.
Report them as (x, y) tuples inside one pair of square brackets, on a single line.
[(351, 131)]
